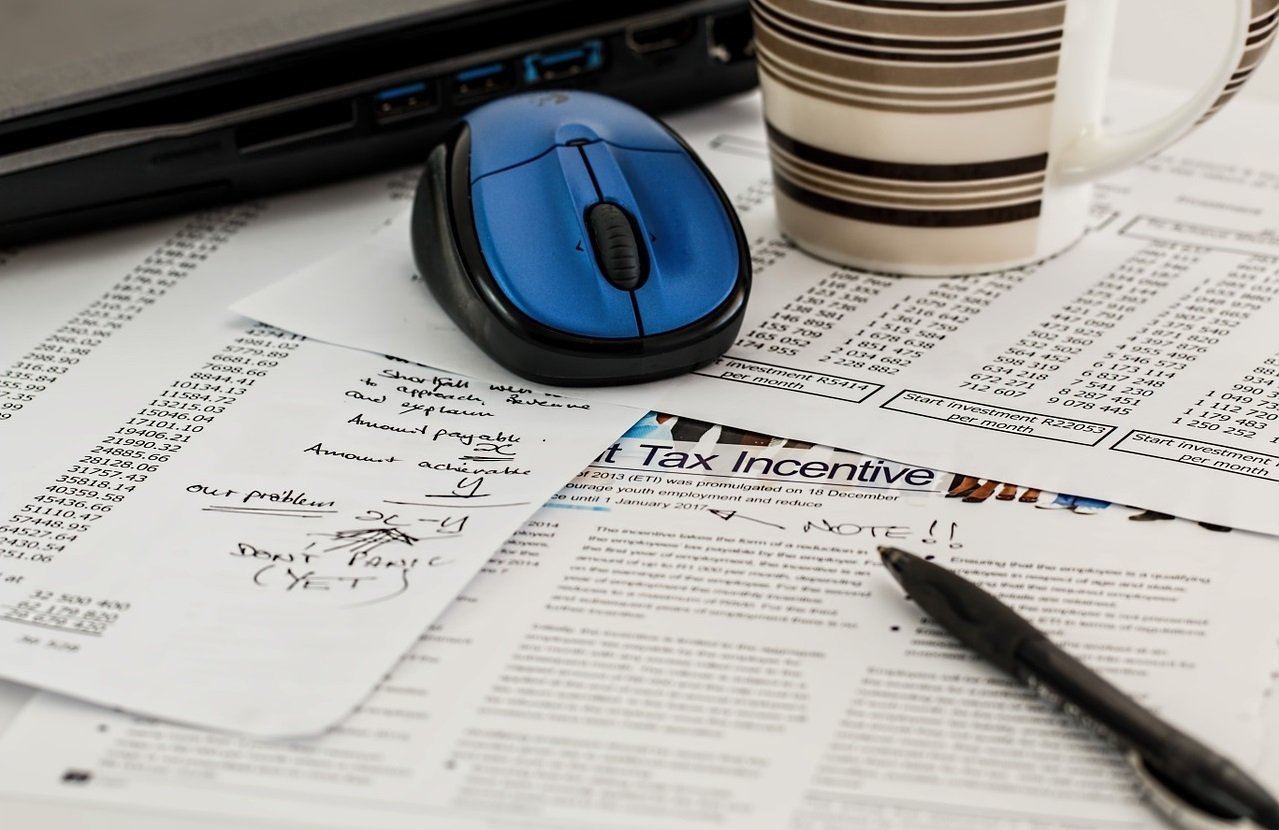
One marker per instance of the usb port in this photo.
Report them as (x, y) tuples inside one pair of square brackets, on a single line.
[(404, 101), (660, 37), (558, 64), (482, 80)]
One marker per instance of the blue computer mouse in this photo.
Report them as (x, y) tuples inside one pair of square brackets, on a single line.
[(579, 241)]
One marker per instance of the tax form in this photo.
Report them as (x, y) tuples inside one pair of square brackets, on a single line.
[(209, 520), (697, 633), (1139, 366)]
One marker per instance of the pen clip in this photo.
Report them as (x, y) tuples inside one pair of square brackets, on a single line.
[(1180, 810)]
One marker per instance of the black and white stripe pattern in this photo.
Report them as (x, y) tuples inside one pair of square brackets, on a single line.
[(886, 56), (920, 195), (936, 59)]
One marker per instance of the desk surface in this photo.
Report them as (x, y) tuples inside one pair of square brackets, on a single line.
[(1159, 41)]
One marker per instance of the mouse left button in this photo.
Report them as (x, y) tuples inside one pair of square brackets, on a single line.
[(618, 250), (530, 230)]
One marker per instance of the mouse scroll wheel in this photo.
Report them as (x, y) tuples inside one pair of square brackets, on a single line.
[(618, 250)]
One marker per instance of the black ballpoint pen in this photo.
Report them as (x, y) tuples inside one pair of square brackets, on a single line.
[(1186, 781)]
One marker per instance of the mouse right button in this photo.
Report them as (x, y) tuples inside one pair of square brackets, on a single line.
[(692, 242)]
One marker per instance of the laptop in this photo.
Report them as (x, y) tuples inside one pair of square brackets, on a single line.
[(124, 109)]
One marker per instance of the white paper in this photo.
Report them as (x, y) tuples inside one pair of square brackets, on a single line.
[(1139, 366), (1268, 768), (672, 643), (216, 522)]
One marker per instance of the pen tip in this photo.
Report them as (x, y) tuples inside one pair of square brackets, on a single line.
[(897, 562), (893, 558)]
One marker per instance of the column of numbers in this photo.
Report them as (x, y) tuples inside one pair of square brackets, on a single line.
[(1192, 326), (1059, 339), (813, 314), (121, 461), (916, 324), (136, 291), (1246, 408)]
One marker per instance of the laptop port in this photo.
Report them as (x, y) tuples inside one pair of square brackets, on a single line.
[(645, 39), (295, 127), (557, 64), (479, 81), (404, 101), (730, 37)]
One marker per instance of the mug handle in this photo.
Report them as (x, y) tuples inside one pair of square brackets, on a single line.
[(1095, 153)]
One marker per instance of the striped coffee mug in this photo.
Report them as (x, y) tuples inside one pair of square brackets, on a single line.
[(944, 137)]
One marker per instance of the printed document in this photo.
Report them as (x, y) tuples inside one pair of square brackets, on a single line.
[(697, 632), (212, 521), (1139, 366)]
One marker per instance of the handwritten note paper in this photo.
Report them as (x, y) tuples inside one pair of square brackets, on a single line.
[(223, 524), (278, 535)]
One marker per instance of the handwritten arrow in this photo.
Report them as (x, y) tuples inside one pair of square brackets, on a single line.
[(733, 514)]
